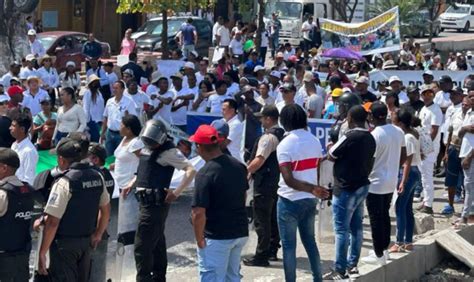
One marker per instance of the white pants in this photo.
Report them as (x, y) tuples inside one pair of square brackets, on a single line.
[(427, 167)]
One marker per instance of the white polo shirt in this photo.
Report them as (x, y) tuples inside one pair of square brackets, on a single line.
[(33, 102), (236, 131), (28, 156), (215, 102), (179, 117), (115, 111), (37, 48), (165, 111), (432, 116), (94, 110), (303, 151), (467, 144)]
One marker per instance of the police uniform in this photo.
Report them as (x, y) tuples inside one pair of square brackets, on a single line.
[(16, 207), (265, 193), (75, 199), (154, 174)]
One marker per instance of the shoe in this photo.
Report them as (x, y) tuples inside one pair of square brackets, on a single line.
[(427, 210), (417, 199), (420, 207), (353, 272), (372, 258), (458, 199), (334, 275), (447, 210), (387, 255), (396, 248), (408, 247), (441, 174), (273, 257), (256, 262)]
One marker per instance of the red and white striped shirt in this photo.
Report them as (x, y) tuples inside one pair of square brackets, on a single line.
[(303, 151)]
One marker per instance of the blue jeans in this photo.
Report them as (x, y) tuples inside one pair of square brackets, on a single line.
[(94, 130), (220, 260), (292, 215), (404, 207), (274, 39), (59, 135), (348, 213), (112, 141)]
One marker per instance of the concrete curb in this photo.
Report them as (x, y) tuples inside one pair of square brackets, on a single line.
[(411, 266)]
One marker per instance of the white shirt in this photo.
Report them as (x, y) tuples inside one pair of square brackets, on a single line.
[(389, 141), (112, 78), (165, 111), (432, 116), (236, 130), (73, 120), (94, 110), (26, 72), (199, 78), (37, 48), (448, 119), (179, 117), (5, 80), (453, 66), (264, 42), (126, 162), (307, 26), (442, 99), (287, 54), (115, 111), (236, 46), (467, 144), (215, 28), (233, 89), (140, 99), (303, 151), (413, 148), (403, 97), (28, 160), (49, 77), (215, 103), (33, 102), (224, 34), (456, 121), (73, 81)]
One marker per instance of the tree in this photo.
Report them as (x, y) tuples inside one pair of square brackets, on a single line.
[(434, 10), (345, 9), (260, 25), (165, 7)]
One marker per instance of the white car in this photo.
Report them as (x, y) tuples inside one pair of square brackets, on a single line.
[(459, 16)]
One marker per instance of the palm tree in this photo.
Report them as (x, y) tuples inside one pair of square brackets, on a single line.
[(407, 9)]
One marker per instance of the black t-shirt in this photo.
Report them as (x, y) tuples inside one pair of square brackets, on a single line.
[(220, 188), (414, 107), (368, 97), (6, 139), (354, 154)]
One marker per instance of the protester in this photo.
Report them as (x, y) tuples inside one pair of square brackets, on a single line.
[(49, 76), (91, 48), (36, 48), (161, 98), (396, 86), (138, 72), (218, 215), (142, 101), (70, 78), (71, 116), (26, 151), (188, 37), (275, 26), (216, 100), (181, 102), (33, 95), (6, 139), (128, 44), (234, 141), (94, 105), (14, 71), (298, 154), (44, 125)]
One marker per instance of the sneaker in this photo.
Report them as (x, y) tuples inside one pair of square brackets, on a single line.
[(408, 247), (353, 272), (447, 210), (334, 275), (372, 258), (417, 199), (386, 255), (425, 209), (273, 256), (256, 262), (458, 199)]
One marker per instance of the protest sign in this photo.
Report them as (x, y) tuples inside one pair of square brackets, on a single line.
[(380, 34), (416, 77), (169, 67)]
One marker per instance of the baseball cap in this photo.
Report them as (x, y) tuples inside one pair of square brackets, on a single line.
[(129, 72), (68, 148), (70, 64), (221, 126), (288, 87), (205, 134), (195, 54), (14, 90), (293, 59), (268, 111), (308, 76), (31, 32), (275, 73), (426, 88), (258, 68), (362, 79), (445, 79), (469, 53), (379, 110), (428, 72), (30, 58), (98, 150), (458, 54), (280, 55), (412, 88), (394, 79), (337, 92), (189, 65), (9, 158), (177, 75)]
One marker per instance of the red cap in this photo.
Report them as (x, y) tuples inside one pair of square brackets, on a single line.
[(205, 134), (14, 90), (293, 59)]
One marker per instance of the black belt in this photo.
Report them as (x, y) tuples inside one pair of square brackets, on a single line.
[(114, 131)]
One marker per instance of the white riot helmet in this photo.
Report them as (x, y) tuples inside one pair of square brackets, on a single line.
[(154, 133)]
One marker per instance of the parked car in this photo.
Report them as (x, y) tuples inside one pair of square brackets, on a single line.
[(151, 39), (67, 46), (458, 16), (419, 26)]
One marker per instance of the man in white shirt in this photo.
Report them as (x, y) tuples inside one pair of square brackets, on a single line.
[(215, 28), (298, 157), (110, 74), (234, 141), (396, 84), (115, 109), (140, 98), (307, 29), (203, 65), (24, 148), (36, 48), (28, 70), (160, 99), (223, 36), (183, 97), (431, 121), (236, 45), (390, 153), (288, 92), (215, 101), (15, 68), (33, 95)]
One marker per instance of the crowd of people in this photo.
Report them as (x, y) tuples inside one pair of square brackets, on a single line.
[(385, 144)]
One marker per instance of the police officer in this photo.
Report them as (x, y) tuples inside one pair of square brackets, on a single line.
[(158, 161), (97, 156), (16, 206), (75, 217), (263, 167)]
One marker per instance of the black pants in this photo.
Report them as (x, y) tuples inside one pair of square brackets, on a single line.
[(266, 227), (263, 54), (150, 243), (70, 259), (14, 267), (378, 207)]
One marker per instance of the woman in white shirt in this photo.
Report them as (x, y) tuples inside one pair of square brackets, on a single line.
[(94, 105), (71, 117), (410, 177), (49, 76), (70, 78)]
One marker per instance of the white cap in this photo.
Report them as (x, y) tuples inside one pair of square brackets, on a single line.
[(469, 53), (31, 32), (258, 68), (70, 64), (4, 98), (346, 90), (458, 54), (393, 79), (30, 58), (362, 79), (411, 63), (189, 65), (275, 73), (428, 72)]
